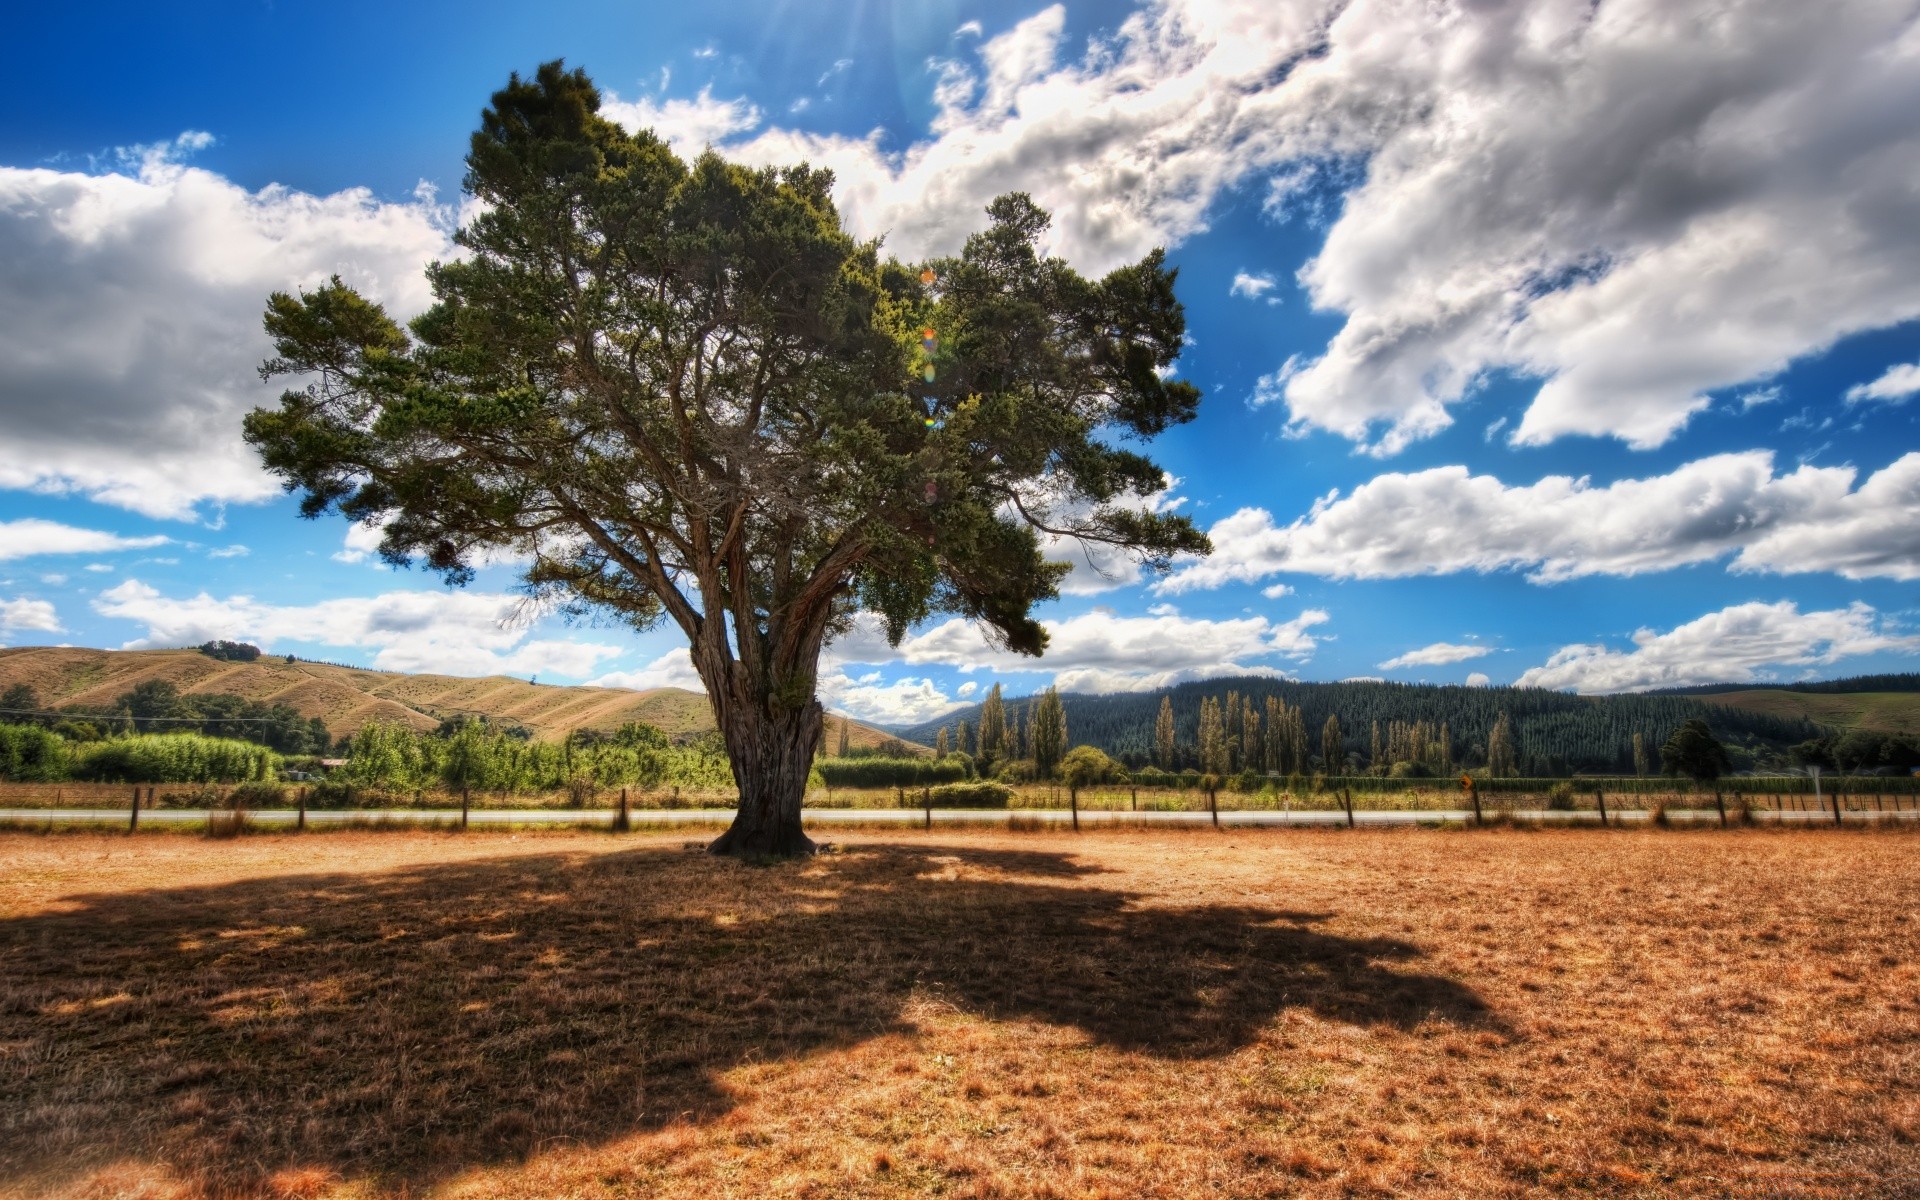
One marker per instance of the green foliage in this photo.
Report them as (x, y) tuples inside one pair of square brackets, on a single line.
[(472, 755), (1554, 733), (982, 794), (690, 371), (892, 772), (230, 651), (1693, 751), (1049, 734), (173, 758), (1088, 766), (30, 754)]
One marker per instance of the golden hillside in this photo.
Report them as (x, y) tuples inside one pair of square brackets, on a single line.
[(1882, 712), (347, 697)]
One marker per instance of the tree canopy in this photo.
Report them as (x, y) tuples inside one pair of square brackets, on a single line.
[(1693, 751), (683, 391)]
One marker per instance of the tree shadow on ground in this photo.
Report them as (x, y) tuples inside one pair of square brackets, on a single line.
[(405, 1025)]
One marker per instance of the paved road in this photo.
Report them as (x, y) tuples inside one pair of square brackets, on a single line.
[(823, 817)]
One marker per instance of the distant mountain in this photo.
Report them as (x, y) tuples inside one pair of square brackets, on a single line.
[(348, 697), (1555, 732)]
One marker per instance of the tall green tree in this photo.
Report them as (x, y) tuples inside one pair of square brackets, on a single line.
[(1333, 747), (1501, 752), (683, 392), (940, 743), (1693, 751), (1049, 734), (1213, 738), (1163, 735), (993, 729)]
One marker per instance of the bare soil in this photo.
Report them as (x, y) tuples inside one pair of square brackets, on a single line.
[(1247, 1014)]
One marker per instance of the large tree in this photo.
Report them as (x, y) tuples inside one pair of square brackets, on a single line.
[(683, 392)]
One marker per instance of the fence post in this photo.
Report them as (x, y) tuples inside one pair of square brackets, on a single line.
[(1213, 806), (466, 799), (300, 822), (1720, 803), (1600, 798), (1836, 807), (133, 817), (1136, 799), (926, 798), (1073, 800), (1347, 794), (624, 821)]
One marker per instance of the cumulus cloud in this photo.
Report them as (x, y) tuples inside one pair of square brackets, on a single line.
[(1446, 520), (689, 126), (673, 669), (1252, 287), (903, 702), (1635, 202), (457, 633), (1479, 679), (234, 551), (23, 614), (31, 536), (130, 319), (1102, 651), (1900, 381), (1734, 645), (1439, 654)]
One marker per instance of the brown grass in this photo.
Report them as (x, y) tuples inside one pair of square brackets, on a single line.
[(1128, 1014)]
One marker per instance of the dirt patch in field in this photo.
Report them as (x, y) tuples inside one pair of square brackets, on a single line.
[(1128, 1014)]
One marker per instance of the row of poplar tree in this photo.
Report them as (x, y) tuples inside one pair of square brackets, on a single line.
[(1237, 735), (1033, 732)]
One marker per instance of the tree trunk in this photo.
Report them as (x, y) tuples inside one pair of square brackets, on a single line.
[(771, 754)]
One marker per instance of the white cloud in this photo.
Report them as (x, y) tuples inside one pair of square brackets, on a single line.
[(1252, 287), (53, 579), (1445, 520), (456, 632), (1635, 202), (1101, 651), (1479, 679), (1437, 655), (969, 29), (130, 319), (902, 702), (21, 614), (361, 543), (1900, 381), (30, 536), (1730, 646), (966, 689), (673, 669), (689, 126), (234, 551)]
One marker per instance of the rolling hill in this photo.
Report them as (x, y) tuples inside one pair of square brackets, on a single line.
[(1880, 712), (348, 697)]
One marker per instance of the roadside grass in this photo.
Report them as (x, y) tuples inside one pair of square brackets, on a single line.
[(1163, 1013)]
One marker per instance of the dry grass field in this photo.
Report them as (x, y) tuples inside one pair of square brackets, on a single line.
[(1407, 1013)]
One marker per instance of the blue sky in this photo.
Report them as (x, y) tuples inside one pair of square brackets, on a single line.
[(1551, 343)]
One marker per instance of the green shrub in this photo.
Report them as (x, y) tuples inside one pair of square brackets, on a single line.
[(173, 758), (257, 795), (30, 754), (1560, 797), (892, 772), (971, 795)]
